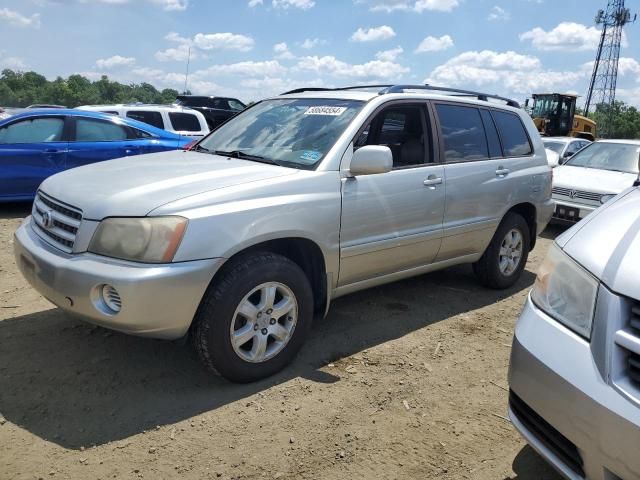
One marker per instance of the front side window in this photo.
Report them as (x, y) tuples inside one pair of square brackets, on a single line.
[(33, 130), (515, 141), (402, 129), (91, 130), (184, 122), (463, 133), (555, 146), (573, 147), (617, 157), (293, 132), (149, 117)]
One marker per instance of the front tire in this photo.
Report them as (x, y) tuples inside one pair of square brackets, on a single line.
[(503, 261), (253, 320)]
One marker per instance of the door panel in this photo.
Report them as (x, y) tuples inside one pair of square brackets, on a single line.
[(97, 140), (390, 222), (23, 167)]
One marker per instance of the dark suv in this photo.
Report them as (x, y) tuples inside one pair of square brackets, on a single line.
[(215, 109)]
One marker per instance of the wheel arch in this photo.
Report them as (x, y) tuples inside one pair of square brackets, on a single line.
[(528, 211), (304, 252)]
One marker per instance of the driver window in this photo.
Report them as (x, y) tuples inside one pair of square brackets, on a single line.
[(401, 128), (33, 130)]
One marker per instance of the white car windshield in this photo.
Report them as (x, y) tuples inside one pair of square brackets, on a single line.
[(294, 133), (618, 157)]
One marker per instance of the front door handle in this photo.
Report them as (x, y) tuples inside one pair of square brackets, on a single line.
[(432, 181), (502, 172)]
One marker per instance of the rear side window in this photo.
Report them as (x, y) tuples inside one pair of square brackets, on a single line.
[(495, 150), (89, 130), (463, 133), (33, 130), (515, 141), (150, 117), (236, 105), (184, 122), (110, 113)]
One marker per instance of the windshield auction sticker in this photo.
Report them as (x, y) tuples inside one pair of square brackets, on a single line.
[(320, 110)]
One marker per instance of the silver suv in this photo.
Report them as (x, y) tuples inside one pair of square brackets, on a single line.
[(575, 362), (297, 200)]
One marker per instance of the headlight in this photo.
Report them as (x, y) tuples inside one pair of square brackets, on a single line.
[(605, 198), (149, 240), (566, 292)]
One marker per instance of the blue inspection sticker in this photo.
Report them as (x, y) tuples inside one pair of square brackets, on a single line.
[(311, 156)]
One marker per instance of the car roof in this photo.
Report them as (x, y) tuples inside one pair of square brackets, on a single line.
[(90, 114), (139, 107), (619, 141), (563, 139)]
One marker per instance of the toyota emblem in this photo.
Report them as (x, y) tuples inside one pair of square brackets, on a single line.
[(47, 220)]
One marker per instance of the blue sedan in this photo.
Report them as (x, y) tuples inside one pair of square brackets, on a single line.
[(39, 143)]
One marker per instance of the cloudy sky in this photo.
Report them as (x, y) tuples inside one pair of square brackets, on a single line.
[(254, 48)]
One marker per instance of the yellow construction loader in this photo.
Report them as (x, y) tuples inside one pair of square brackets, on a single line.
[(554, 116)]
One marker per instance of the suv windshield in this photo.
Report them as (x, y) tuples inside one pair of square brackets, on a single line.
[(294, 133), (555, 146), (619, 157)]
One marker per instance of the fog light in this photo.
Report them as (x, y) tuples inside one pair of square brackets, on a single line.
[(111, 298)]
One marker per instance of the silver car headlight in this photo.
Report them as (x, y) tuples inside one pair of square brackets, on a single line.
[(148, 240), (566, 291)]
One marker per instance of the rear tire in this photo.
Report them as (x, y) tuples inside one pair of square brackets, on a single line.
[(253, 320), (503, 261)]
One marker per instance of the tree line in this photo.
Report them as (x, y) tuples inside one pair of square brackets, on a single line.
[(21, 89)]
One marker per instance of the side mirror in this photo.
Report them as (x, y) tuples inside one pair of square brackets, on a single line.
[(370, 160)]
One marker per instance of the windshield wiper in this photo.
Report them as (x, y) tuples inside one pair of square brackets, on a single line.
[(200, 148), (245, 156)]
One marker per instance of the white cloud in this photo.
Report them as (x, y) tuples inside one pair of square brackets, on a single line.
[(281, 50), (498, 13), (223, 41), (177, 54), (310, 43), (12, 63), (568, 36), (626, 65), (434, 44), (116, 61), (507, 72), (373, 34), (410, 5), (330, 66), (172, 5), (302, 4), (389, 55), (18, 20), (243, 69)]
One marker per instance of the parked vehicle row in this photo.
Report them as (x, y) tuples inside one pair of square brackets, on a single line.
[(39, 143), (216, 110), (174, 119)]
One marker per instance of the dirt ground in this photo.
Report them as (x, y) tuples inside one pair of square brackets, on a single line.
[(405, 381)]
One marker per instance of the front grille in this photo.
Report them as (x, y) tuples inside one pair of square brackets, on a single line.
[(56, 222), (628, 340), (573, 194), (560, 445)]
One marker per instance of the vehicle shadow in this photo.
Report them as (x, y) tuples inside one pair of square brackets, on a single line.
[(528, 465), (15, 210), (78, 385), (553, 230)]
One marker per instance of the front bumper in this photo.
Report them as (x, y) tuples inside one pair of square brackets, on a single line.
[(553, 372), (157, 301), (582, 210)]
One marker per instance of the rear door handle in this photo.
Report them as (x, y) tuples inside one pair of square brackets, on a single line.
[(502, 172), (432, 181)]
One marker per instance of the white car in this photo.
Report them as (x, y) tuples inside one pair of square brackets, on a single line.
[(553, 159), (565, 147), (593, 176), (172, 118)]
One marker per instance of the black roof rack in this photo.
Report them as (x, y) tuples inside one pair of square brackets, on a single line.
[(385, 89)]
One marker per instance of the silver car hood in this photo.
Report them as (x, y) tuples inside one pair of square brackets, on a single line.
[(607, 243), (134, 186)]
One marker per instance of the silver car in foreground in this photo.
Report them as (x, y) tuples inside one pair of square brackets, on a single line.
[(298, 200), (575, 364)]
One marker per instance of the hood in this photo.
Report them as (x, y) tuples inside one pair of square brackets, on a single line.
[(134, 186), (608, 244), (592, 179)]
